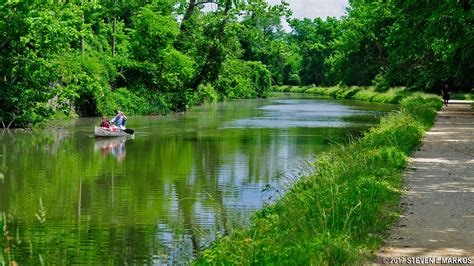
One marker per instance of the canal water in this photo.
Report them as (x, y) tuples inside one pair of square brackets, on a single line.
[(68, 198)]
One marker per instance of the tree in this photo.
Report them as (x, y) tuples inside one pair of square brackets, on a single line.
[(431, 43), (262, 38), (30, 55), (359, 52), (314, 39)]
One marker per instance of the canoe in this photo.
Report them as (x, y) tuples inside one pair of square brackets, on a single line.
[(100, 132)]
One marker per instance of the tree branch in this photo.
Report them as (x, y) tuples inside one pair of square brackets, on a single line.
[(8, 127), (213, 52)]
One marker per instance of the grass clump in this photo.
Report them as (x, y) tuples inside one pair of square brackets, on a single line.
[(339, 213)]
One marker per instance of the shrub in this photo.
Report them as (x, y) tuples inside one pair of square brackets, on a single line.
[(208, 93), (295, 79), (380, 83), (243, 79)]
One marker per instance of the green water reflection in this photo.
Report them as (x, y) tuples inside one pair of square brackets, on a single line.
[(185, 178)]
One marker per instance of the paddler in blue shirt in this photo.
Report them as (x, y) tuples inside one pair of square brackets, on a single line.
[(119, 120)]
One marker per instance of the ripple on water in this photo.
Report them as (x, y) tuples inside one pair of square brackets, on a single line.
[(299, 113)]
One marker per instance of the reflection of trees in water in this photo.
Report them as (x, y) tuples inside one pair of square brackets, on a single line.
[(101, 210)]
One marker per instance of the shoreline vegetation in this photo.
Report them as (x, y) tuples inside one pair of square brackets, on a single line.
[(361, 93), (89, 58), (341, 212)]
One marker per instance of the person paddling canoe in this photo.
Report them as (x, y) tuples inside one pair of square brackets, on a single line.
[(119, 120)]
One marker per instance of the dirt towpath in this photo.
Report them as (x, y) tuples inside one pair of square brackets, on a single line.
[(438, 222)]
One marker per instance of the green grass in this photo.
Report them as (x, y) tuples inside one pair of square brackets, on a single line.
[(340, 213), (369, 94), (462, 96)]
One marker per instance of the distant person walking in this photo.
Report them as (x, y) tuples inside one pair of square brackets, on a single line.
[(445, 92)]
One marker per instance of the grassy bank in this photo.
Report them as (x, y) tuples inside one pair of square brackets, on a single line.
[(338, 214), (369, 94), (462, 96)]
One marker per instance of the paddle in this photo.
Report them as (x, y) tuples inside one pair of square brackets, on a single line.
[(129, 131)]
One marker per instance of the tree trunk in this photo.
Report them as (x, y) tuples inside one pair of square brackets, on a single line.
[(113, 36), (187, 15), (214, 57), (382, 57), (82, 30), (183, 28)]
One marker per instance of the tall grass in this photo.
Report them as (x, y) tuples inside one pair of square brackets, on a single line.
[(339, 213), (393, 95), (462, 96)]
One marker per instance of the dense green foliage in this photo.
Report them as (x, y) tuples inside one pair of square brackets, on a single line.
[(417, 44), (157, 56), (95, 57), (341, 211)]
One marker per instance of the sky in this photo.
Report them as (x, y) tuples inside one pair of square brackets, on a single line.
[(314, 8)]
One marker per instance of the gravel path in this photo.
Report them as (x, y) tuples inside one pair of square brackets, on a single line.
[(438, 222)]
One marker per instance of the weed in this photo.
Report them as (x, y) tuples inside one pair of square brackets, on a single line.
[(41, 214)]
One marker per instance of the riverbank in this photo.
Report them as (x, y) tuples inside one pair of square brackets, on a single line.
[(368, 94), (437, 222), (341, 212)]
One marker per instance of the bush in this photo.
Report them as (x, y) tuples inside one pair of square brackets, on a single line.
[(423, 108), (261, 78), (243, 79), (208, 93), (401, 130), (380, 83), (295, 79)]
